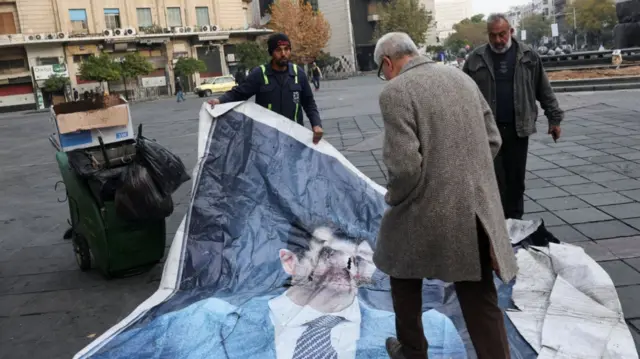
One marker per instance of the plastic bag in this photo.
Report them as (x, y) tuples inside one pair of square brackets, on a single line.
[(166, 169), (138, 197)]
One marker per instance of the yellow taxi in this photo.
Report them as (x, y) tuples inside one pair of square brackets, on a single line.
[(215, 85)]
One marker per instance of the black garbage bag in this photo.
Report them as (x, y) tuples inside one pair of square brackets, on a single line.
[(138, 198), (166, 169)]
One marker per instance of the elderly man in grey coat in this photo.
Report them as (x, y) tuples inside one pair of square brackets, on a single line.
[(445, 219)]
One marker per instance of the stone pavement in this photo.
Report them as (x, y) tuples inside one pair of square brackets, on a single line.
[(585, 187)]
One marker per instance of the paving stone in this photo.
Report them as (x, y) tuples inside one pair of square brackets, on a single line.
[(571, 162), (607, 229), (621, 273), (634, 194), (605, 176), (603, 146), (556, 172), (625, 247), (582, 215), (587, 169), (597, 251), (589, 154), (603, 199), (623, 211), (548, 192), (619, 150), (572, 149), (532, 207), (604, 159), (540, 165), (563, 203), (568, 180), (623, 184), (629, 299), (561, 144), (635, 263), (537, 183), (529, 176), (567, 233), (631, 155), (549, 218), (587, 188)]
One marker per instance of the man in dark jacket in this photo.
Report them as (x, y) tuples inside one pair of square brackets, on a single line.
[(511, 77), (280, 86)]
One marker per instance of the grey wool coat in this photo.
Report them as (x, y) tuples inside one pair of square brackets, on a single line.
[(439, 144)]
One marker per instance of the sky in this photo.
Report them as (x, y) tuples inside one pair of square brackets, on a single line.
[(491, 6)]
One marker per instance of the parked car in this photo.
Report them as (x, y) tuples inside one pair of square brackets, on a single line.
[(215, 85)]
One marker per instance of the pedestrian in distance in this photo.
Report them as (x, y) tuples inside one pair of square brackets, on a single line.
[(76, 95), (280, 86), (511, 77), (445, 219), (316, 75), (179, 91)]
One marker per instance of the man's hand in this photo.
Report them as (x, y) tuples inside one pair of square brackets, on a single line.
[(555, 132), (317, 134), (213, 102)]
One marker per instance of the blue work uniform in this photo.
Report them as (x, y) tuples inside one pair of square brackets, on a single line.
[(286, 93)]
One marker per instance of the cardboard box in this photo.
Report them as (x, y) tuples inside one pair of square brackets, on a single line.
[(79, 124)]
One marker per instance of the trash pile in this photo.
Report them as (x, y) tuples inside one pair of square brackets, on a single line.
[(139, 175), (118, 186)]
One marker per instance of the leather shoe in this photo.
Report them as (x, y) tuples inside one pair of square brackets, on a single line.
[(394, 348)]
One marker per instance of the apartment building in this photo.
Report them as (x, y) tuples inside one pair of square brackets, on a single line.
[(449, 13), (546, 8), (39, 38)]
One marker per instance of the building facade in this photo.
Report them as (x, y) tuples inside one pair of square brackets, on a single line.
[(546, 8), (40, 38), (449, 13)]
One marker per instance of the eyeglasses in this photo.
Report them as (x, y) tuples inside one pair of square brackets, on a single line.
[(380, 74)]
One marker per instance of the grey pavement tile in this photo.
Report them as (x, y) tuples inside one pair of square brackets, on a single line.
[(550, 173), (605, 176), (567, 233), (571, 162), (548, 192), (558, 156), (587, 188), (625, 247), (587, 169), (561, 144), (635, 263), (563, 203), (622, 211), (577, 138), (596, 251), (568, 180), (629, 299), (630, 156), (634, 194), (537, 183), (532, 207), (549, 218), (604, 159), (622, 184), (9, 303), (540, 165), (621, 273), (589, 141), (530, 176), (633, 222), (607, 229), (589, 154), (544, 151), (603, 199), (582, 215), (603, 146), (618, 150)]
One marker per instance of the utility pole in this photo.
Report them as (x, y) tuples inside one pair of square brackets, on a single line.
[(575, 30)]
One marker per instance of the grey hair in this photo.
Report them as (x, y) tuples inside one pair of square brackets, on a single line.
[(493, 18), (394, 45)]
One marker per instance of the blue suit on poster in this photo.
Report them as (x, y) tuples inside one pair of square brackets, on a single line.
[(213, 328)]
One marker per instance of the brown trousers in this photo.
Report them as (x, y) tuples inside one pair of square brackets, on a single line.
[(479, 304)]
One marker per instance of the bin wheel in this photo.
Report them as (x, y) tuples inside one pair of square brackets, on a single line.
[(82, 252)]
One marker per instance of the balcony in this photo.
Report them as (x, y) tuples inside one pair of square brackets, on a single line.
[(373, 13)]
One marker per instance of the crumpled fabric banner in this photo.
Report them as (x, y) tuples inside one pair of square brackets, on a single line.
[(273, 259)]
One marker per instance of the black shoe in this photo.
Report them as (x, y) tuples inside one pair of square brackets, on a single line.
[(394, 348)]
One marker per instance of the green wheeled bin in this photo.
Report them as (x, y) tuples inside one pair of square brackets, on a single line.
[(115, 246)]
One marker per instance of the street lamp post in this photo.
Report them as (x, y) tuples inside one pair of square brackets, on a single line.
[(575, 31)]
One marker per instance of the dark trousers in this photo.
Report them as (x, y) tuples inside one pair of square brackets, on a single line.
[(511, 167), (316, 82), (479, 304)]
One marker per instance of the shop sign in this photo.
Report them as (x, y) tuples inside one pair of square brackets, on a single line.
[(45, 71)]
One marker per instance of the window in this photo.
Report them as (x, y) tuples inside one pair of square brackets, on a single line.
[(7, 23), (80, 58), (173, 17), (48, 61), (12, 64), (202, 16), (144, 17), (112, 18), (78, 20)]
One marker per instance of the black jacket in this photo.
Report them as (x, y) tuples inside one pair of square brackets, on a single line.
[(288, 100)]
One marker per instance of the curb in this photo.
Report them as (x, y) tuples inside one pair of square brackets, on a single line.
[(597, 84)]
